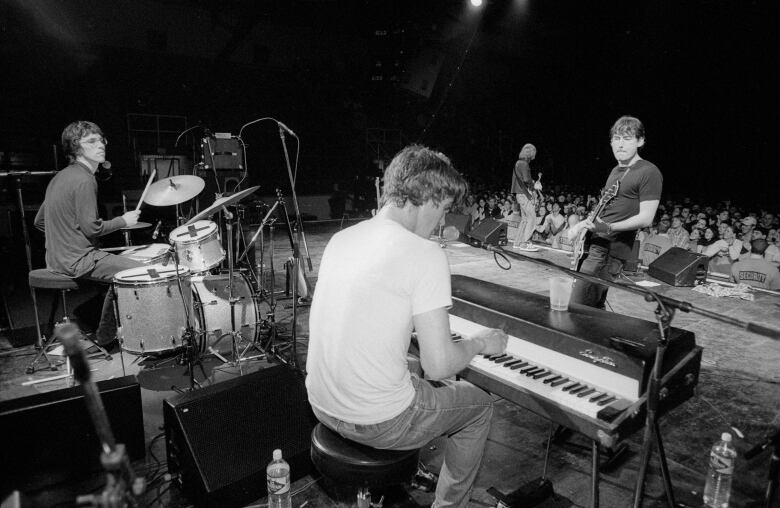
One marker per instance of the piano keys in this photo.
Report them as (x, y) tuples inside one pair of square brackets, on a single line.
[(585, 369)]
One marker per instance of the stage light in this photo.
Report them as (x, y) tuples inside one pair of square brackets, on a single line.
[(476, 3)]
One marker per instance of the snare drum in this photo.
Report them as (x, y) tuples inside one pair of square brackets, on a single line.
[(213, 307), (198, 245), (151, 312), (152, 254)]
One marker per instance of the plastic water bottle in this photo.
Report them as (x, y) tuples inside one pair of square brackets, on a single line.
[(718, 487), (277, 475)]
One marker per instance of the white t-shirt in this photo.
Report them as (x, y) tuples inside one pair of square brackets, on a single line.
[(374, 276), (723, 253)]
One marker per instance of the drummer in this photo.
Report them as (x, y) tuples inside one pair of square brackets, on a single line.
[(68, 217)]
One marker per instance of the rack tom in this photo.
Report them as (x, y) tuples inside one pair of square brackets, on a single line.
[(198, 245)]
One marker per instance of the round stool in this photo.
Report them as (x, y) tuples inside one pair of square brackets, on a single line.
[(43, 278), (345, 462)]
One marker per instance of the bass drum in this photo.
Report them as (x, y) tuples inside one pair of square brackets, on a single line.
[(150, 308), (213, 309)]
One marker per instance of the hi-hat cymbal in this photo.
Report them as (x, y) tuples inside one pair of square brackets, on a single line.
[(174, 190), (138, 225), (220, 202)]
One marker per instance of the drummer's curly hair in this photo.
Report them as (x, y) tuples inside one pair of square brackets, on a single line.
[(418, 174), (72, 134)]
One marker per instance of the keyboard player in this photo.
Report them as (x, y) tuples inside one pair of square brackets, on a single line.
[(379, 280)]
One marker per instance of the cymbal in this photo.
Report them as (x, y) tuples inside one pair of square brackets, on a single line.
[(137, 225), (220, 202), (174, 190)]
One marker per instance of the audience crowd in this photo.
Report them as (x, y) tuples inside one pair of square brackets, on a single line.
[(741, 243)]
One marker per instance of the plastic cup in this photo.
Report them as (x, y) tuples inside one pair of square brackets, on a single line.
[(560, 292)]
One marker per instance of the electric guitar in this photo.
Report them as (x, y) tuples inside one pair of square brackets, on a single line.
[(578, 243)]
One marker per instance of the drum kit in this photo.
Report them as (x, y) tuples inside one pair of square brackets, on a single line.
[(180, 301)]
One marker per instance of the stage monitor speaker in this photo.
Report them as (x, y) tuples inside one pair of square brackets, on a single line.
[(488, 232), (461, 221), (49, 438), (679, 267), (220, 439)]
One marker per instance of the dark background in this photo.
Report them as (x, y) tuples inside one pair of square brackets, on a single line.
[(698, 73)]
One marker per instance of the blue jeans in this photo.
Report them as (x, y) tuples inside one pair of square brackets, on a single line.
[(528, 212), (455, 409), (599, 263)]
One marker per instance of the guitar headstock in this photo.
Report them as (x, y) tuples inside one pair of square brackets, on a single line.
[(611, 192)]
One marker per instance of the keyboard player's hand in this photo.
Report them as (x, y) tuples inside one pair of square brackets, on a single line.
[(494, 341)]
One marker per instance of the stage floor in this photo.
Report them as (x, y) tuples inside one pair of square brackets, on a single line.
[(739, 386)]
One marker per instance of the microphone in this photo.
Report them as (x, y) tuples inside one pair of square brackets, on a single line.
[(104, 172), (106, 165), (156, 232), (289, 130)]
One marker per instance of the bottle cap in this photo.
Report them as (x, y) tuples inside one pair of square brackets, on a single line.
[(278, 453), (725, 437)]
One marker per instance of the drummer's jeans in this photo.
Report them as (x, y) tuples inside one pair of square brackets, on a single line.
[(103, 273), (457, 411)]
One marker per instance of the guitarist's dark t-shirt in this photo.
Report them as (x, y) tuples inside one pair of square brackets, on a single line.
[(642, 183)]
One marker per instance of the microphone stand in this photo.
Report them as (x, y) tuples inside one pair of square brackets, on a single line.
[(664, 314), (298, 221)]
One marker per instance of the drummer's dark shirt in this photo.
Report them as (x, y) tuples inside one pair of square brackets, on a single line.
[(68, 217)]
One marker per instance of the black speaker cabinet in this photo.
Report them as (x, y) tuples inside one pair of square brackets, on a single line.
[(488, 232), (679, 267), (49, 438), (461, 221), (220, 438)]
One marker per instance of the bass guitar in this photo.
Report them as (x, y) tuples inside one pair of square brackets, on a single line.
[(578, 242)]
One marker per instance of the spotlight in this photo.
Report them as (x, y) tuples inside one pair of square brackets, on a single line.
[(476, 3)]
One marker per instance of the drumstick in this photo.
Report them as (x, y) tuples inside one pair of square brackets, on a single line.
[(143, 195)]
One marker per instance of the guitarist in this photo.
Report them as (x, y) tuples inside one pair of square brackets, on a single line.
[(613, 231), (523, 188)]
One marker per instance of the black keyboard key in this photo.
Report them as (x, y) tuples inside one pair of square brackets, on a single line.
[(503, 360), (578, 390), (514, 362), (586, 392), (551, 379), (542, 374), (537, 370), (571, 386), (531, 367), (519, 365), (607, 401), (598, 397), (560, 382)]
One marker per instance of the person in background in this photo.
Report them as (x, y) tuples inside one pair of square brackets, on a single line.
[(523, 188), (725, 251), (677, 233), (755, 270)]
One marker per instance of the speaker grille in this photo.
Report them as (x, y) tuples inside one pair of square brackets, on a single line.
[(222, 437)]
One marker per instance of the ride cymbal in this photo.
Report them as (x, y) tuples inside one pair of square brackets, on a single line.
[(174, 190)]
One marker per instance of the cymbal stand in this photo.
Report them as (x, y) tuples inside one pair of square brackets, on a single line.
[(126, 232), (271, 316), (190, 348), (232, 300), (664, 315), (299, 223)]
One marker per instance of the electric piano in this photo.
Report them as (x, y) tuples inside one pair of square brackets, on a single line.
[(585, 369)]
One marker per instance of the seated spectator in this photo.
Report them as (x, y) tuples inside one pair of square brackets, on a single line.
[(693, 242), (478, 215), (747, 225), (724, 252), (553, 226), (772, 253), (565, 242), (678, 234), (656, 243), (492, 210), (755, 270)]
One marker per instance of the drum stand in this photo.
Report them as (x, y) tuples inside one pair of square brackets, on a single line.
[(232, 300), (271, 318), (190, 355)]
